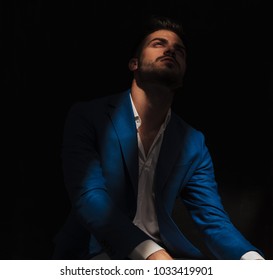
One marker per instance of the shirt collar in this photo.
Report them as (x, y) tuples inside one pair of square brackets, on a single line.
[(138, 119)]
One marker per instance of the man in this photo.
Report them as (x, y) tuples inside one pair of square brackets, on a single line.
[(126, 159)]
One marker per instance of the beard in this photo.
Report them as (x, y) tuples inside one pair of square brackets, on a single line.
[(166, 75)]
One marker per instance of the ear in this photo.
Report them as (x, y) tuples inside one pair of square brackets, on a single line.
[(133, 64)]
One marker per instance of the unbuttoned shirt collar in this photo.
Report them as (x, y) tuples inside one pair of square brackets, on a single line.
[(138, 119), (147, 165)]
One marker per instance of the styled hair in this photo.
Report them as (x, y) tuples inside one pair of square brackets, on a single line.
[(154, 23)]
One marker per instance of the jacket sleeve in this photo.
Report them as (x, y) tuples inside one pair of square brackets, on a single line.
[(202, 199), (86, 185)]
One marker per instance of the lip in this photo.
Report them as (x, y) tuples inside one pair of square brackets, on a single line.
[(169, 59)]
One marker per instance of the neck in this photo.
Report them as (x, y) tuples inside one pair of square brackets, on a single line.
[(152, 104)]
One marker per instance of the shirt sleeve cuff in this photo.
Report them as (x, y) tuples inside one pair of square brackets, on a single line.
[(252, 255), (144, 250)]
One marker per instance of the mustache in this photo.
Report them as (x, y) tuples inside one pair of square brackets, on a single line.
[(167, 57)]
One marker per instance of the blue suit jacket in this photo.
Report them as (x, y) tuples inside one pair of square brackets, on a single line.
[(100, 164)]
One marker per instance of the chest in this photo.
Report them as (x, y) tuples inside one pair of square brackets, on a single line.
[(147, 140)]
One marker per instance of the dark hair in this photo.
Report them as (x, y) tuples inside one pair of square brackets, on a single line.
[(154, 23)]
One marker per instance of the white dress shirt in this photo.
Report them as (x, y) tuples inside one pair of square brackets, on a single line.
[(145, 217)]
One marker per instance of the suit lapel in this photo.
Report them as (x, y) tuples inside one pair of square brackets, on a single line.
[(121, 114), (169, 152)]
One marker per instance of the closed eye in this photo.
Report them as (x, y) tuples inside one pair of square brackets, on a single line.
[(158, 43)]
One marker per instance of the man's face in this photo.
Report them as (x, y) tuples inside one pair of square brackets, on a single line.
[(162, 59)]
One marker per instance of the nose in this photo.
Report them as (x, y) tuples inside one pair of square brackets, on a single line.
[(170, 52)]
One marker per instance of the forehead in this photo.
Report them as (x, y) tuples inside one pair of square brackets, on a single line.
[(164, 34)]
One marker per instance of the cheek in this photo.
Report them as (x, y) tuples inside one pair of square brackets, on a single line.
[(151, 55), (182, 63), (144, 61)]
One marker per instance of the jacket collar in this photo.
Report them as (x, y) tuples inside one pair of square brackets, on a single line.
[(170, 150)]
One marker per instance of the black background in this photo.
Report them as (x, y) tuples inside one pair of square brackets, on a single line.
[(55, 53)]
